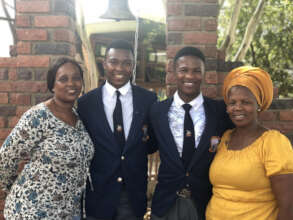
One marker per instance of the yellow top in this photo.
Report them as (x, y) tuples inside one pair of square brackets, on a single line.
[(240, 178)]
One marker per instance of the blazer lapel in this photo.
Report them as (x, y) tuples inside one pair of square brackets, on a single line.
[(205, 137), (165, 130)]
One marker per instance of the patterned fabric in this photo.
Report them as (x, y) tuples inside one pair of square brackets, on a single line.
[(52, 182), (176, 120)]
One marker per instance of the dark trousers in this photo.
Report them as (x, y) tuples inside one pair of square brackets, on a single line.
[(124, 210)]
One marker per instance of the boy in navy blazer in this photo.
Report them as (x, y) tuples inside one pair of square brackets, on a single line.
[(184, 176), (116, 117)]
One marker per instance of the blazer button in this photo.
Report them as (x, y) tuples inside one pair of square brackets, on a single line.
[(119, 179), (122, 157)]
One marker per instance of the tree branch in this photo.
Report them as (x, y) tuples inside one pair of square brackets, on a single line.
[(230, 36), (10, 21), (250, 30), (6, 19), (221, 3)]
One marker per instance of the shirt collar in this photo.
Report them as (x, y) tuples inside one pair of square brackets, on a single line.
[(195, 103), (111, 89)]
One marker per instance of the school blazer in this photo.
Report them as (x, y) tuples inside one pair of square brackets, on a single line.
[(110, 162), (172, 175)]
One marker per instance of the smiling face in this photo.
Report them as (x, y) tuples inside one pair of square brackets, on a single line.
[(68, 83), (118, 66), (242, 107), (189, 72)]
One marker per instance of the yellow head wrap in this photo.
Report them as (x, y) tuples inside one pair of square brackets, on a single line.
[(255, 79)]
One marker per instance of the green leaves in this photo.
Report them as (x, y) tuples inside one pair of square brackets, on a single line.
[(272, 45)]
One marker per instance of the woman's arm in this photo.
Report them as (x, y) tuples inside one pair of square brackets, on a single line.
[(282, 189), (18, 146)]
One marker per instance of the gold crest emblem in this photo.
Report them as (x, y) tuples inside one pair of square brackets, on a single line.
[(188, 133), (119, 128)]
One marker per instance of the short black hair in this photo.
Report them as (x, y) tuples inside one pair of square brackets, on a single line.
[(120, 44), (189, 51), (51, 75)]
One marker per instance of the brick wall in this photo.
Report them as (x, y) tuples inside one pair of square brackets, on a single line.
[(45, 30)]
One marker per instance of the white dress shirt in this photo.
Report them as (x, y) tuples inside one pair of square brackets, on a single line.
[(176, 119), (109, 101)]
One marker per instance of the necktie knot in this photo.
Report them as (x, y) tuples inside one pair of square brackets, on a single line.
[(187, 107), (118, 94)]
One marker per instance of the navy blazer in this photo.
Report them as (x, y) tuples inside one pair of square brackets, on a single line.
[(172, 174), (110, 161)]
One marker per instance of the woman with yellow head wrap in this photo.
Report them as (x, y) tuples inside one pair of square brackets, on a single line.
[(252, 172), (255, 79)]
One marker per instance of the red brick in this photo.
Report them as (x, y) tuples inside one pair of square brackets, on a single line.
[(51, 21), (12, 74), (7, 62), (184, 24), (211, 92), (172, 50), (21, 109), (2, 193), (23, 47), (211, 1), (72, 50), (1, 142), (210, 24), (221, 77), (63, 35), (2, 122), (12, 121), (220, 91), (285, 127), (20, 99), (174, 9), (4, 132), (4, 74), (276, 92), (268, 116), (32, 6), (33, 61), (31, 34), (3, 98), (28, 86), (22, 21), (211, 52), (200, 38), (5, 87), (174, 38), (211, 77), (286, 115)]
